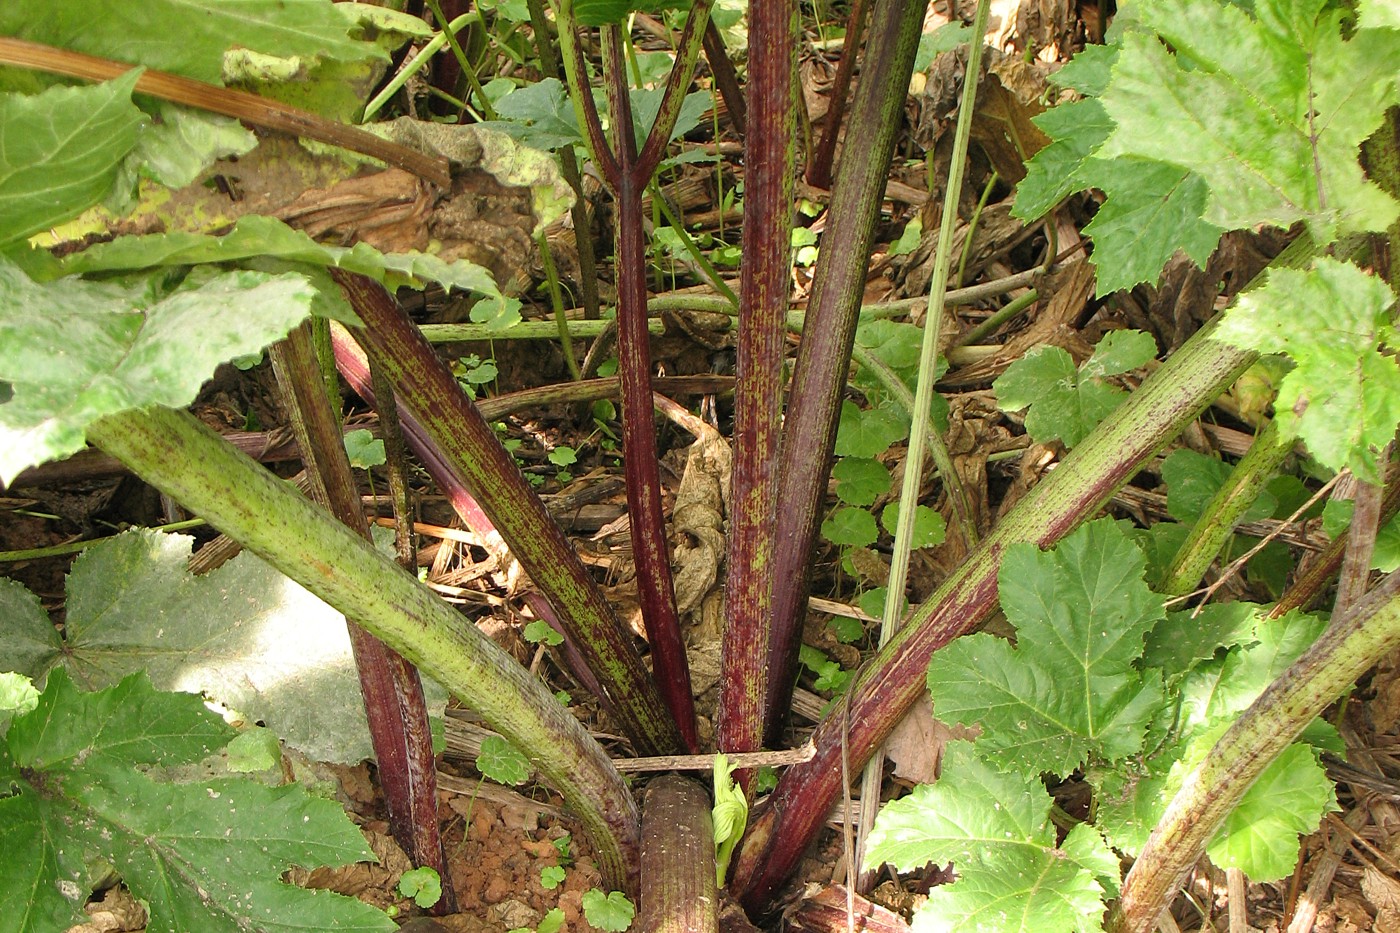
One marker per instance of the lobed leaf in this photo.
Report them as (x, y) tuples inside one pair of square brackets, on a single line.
[(243, 634), (1343, 396), (206, 855), (1268, 109), (106, 347), (1065, 402), (1068, 691), (995, 828)]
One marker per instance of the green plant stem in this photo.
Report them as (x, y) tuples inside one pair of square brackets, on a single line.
[(765, 282), (971, 224), (711, 274), (1170, 398), (922, 434), (77, 547), (188, 461), (678, 848), (1004, 314), (568, 163), (819, 376), (556, 299), (417, 63), (525, 330), (1352, 643), (392, 690), (469, 447), (1225, 509)]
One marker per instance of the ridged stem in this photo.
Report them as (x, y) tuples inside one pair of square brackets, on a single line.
[(186, 460), (765, 283), (1352, 644), (470, 447)]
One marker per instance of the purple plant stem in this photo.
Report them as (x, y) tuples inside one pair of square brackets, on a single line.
[(819, 377), (763, 302), (354, 366), (470, 448), (782, 828), (824, 154), (392, 691)]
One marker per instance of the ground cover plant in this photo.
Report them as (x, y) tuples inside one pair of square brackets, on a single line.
[(147, 236)]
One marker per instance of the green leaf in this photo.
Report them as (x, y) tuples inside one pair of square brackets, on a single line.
[(860, 480), (1183, 639), (551, 876), (1260, 836), (1067, 691), (256, 237), (563, 456), (364, 449), (850, 527), (190, 37), (180, 144), (868, 433), (17, 695), (257, 749), (539, 631), (1119, 351), (1151, 211), (1268, 109), (62, 149), (103, 348), (1066, 402), (846, 629), (943, 39), (422, 884), (1076, 129), (1343, 397), (539, 115), (243, 634), (502, 762), (996, 829), (730, 815), (612, 911), (206, 855), (930, 528), (552, 922), (1192, 481)]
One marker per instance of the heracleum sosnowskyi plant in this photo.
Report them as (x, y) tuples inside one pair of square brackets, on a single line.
[(1185, 383)]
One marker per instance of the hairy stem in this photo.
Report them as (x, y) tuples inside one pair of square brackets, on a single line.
[(819, 377), (1353, 642), (186, 460), (764, 286)]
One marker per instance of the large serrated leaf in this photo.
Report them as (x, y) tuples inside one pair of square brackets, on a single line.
[(105, 347), (1343, 397), (202, 856), (60, 152), (995, 828), (189, 37), (1268, 109), (1068, 691), (243, 634)]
